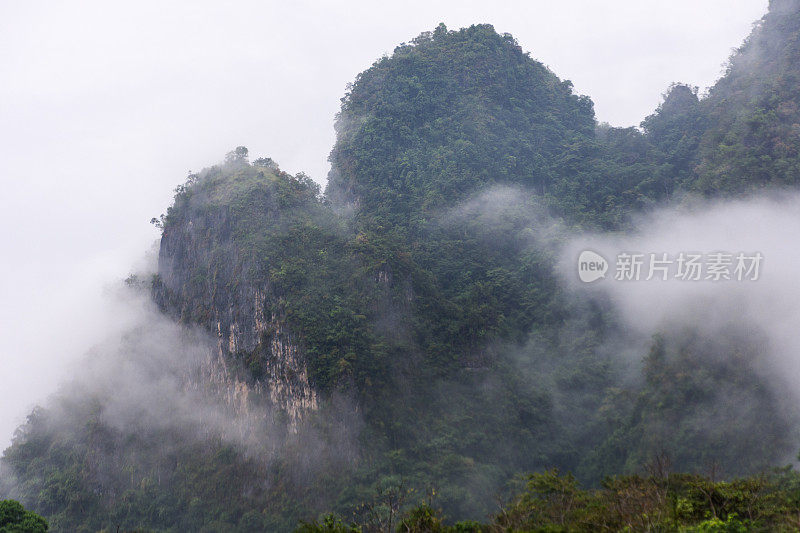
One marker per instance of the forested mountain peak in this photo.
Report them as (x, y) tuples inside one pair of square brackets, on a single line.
[(446, 114)]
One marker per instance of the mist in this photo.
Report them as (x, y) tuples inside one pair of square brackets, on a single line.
[(104, 109), (757, 319), (751, 323), (766, 225), (146, 394)]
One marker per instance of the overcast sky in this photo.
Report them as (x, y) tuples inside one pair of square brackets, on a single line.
[(105, 106)]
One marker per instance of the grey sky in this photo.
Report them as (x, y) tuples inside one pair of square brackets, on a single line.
[(105, 106)]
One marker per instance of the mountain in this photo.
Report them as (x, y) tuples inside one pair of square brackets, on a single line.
[(407, 332), (744, 135)]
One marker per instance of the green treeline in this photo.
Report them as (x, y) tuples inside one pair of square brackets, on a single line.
[(658, 501)]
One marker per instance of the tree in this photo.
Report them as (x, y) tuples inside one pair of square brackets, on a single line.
[(15, 519), (238, 155)]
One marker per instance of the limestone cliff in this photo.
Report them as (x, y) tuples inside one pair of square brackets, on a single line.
[(210, 278)]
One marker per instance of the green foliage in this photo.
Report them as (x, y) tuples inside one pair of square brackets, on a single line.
[(422, 518), (744, 135), (422, 286), (697, 396), (664, 502), (448, 113), (329, 524), (15, 519)]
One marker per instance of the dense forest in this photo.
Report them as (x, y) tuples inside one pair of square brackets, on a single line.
[(400, 353)]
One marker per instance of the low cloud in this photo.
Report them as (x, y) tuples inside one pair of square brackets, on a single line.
[(765, 310)]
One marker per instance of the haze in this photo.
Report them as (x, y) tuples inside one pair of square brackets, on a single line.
[(104, 109)]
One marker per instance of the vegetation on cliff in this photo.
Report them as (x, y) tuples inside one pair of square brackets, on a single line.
[(421, 290)]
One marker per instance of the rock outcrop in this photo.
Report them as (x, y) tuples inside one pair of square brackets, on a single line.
[(207, 278)]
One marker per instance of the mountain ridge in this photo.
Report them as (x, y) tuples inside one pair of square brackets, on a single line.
[(417, 303)]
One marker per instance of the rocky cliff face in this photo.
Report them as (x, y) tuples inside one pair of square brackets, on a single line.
[(206, 278)]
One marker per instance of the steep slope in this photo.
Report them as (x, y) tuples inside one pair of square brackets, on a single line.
[(219, 240), (745, 135)]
